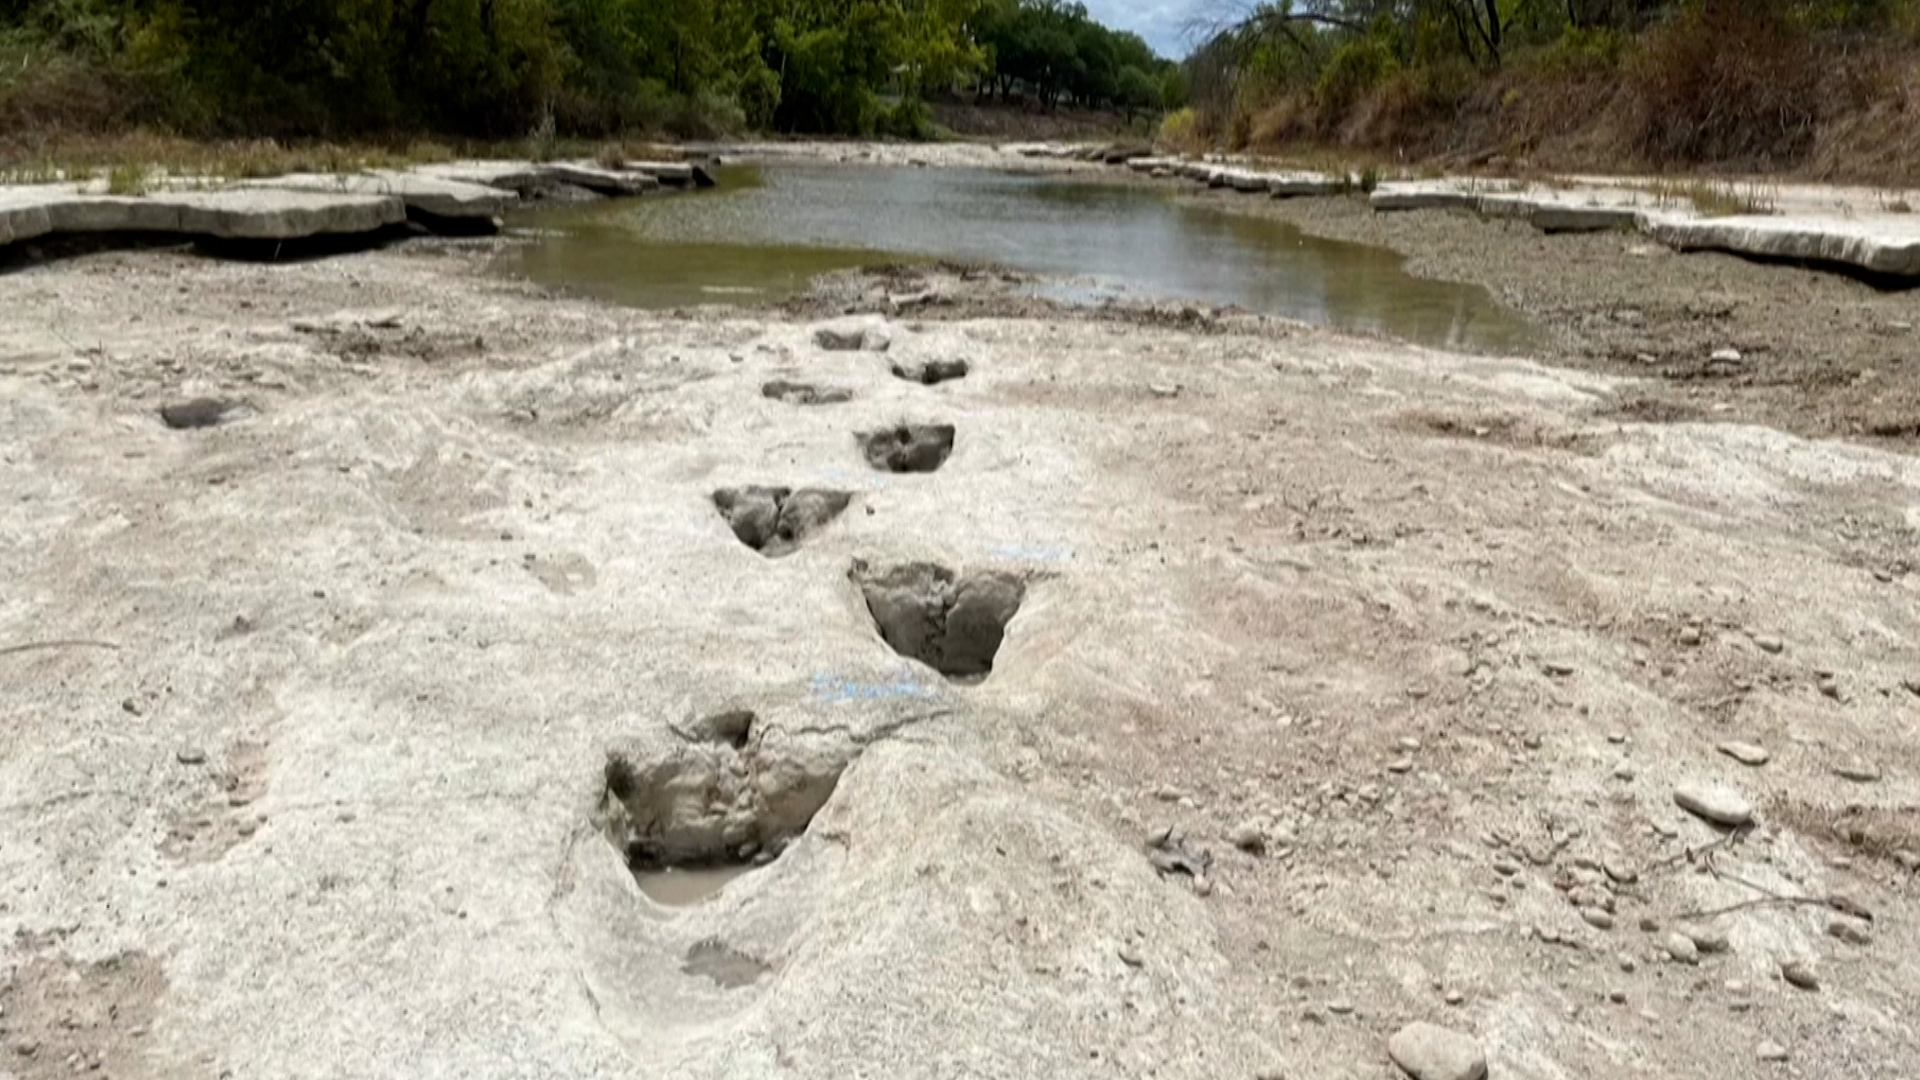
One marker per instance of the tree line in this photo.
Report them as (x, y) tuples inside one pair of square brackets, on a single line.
[(1669, 82), (499, 68)]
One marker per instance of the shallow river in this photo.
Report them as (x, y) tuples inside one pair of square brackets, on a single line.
[(766, 232)]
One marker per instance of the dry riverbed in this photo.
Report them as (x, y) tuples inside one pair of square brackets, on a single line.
[(1345, 686)]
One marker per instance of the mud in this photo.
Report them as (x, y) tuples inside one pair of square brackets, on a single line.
[(1821, 353)]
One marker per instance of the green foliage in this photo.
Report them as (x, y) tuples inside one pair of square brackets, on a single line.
[(1356, 68), (556, 68), (1052, 51)]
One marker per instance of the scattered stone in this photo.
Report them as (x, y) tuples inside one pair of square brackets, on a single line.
[(1410, 744), (191, 755), (1721, 806), (1725, 356), (1455, 997), (1557, 669), (1617, 996), (198, 413), (1708, 939), (1769, 643), (1690, 636), (1131, 957), (1771, 1051), (1830, 687), (1597, 918), (1430, 1052), (1628, 964), (1745, 753), (1617, 738), (1249, 837), (1682, 949), (1623, 771), (1340, 1008), (1849, 933), (1799, 973), (1400, 766), (1857, 770), (1620, 870)]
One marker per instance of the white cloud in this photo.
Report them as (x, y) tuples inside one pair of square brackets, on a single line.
[(1162, 22)]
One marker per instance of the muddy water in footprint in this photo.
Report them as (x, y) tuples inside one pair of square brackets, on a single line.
[(686, 887), (766, 232)]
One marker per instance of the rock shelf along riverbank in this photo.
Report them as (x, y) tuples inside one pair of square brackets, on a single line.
[(455, 197), (1857, 231)]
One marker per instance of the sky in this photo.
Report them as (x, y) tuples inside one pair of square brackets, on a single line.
[(1162, 22)]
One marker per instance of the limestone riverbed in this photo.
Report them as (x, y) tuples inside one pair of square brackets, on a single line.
[(1344, 702)]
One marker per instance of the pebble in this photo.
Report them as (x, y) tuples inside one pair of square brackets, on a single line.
[(1857, 770), (1409, 743), (1248, 836), (1618, 997), (1849, 933), (1721, 806), (1340, 1008), (1690, 636), (1131, 957), (1709, 939), (191, 755), (1402, 765), (1769, 644), (1682, 949), (1455, 997), (1745, 753), (1799, 973), (1620, 870), (1830, 687), (1430, 1052), (1771, 1051), (1597, 918), (1627, 964), (1623, 771), (1725, 356)]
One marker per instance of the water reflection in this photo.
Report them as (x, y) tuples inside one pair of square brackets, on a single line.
[(768, 232)]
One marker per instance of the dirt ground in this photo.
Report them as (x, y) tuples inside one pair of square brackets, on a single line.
[(1350, 684), (1821, 353)]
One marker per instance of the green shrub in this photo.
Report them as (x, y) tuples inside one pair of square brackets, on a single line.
[(1354, 70)]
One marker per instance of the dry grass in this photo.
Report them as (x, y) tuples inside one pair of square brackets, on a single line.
[(1725, 88), (1712, 198)]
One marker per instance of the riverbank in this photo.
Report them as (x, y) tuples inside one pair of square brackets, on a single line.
[(1820, 353), (1346, 685)]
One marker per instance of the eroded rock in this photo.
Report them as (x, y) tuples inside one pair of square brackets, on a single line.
[(910, 448), (775, 520), (951, 623)]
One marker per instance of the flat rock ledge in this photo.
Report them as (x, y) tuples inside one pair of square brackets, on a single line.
[(1874, 246), (300, 206)]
